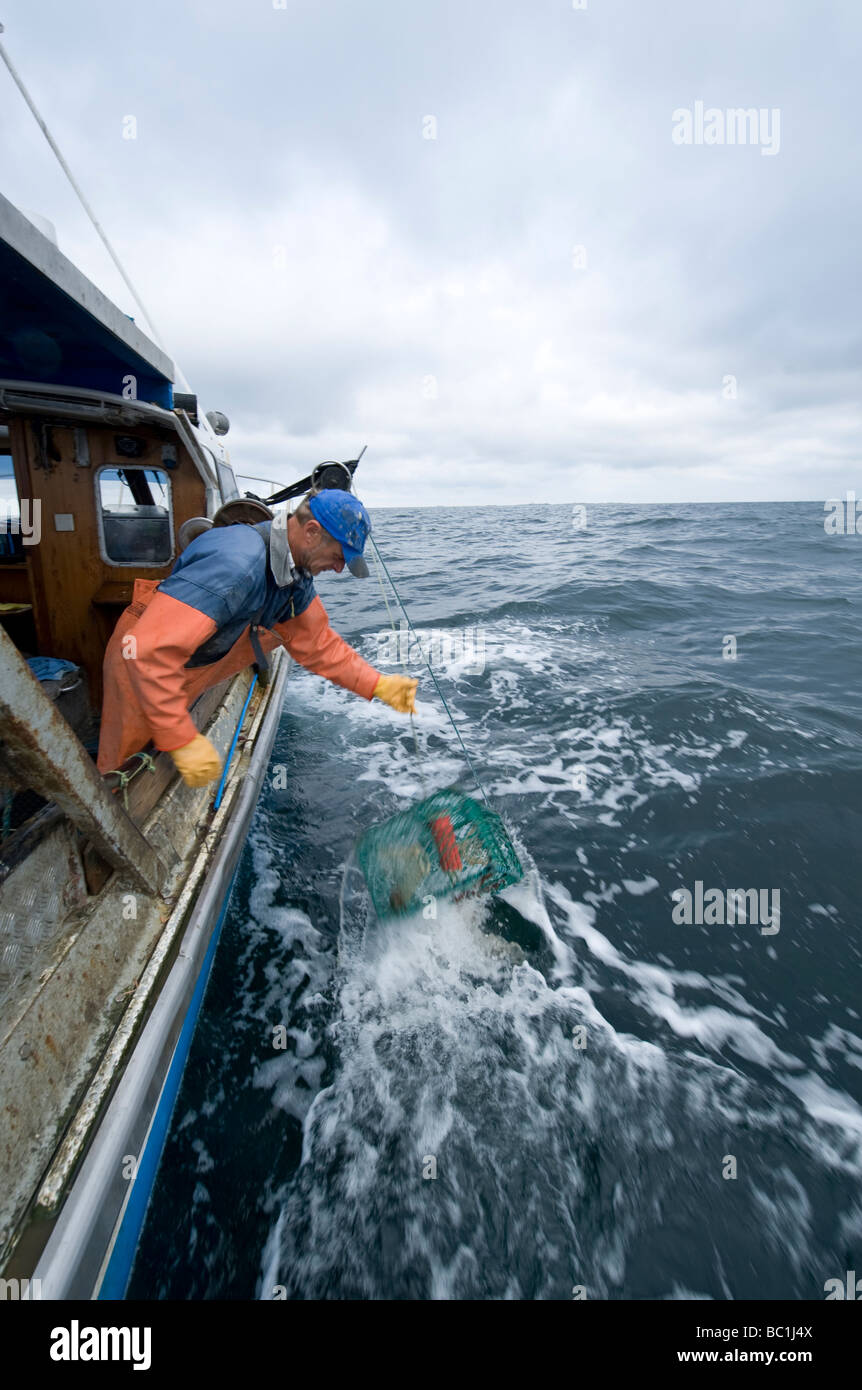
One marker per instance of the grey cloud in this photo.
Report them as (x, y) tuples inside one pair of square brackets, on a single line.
[(405, 258)]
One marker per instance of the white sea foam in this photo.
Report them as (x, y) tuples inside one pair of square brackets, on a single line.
[(452, 1045), (638, 888)]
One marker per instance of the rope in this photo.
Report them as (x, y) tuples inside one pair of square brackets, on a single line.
[(220, 788), (379, 558), (148, 762), (377, 571), (86, 206), (126, 777)]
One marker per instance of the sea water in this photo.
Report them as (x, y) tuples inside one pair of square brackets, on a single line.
[(569, 1091)]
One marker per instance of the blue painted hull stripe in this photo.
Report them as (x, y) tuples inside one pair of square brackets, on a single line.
[(123, 1255)]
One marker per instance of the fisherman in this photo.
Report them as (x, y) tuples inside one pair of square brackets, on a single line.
[(235, 593)]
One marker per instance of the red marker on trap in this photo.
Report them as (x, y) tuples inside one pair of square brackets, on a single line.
[(447, 847)]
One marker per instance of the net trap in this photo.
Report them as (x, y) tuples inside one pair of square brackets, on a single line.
[(447, 845)]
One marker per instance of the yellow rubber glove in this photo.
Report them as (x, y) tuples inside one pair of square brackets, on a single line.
[(197, 762), (397, 691)]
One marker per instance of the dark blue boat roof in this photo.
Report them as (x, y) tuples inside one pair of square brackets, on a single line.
[(58, 329)]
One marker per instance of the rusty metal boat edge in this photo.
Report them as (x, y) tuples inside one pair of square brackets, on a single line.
[(96, 1233)]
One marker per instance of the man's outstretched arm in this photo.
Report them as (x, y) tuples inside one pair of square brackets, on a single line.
[(316, 646)]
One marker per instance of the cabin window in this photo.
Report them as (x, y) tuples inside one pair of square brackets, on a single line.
[(10, 511), (226, 481), (135, 516)]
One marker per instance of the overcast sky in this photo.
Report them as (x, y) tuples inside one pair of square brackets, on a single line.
[(552, 300)]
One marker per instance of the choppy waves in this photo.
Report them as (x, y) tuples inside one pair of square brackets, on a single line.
[(564, 1089)]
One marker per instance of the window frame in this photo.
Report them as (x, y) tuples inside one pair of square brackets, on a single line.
[(103, 549)]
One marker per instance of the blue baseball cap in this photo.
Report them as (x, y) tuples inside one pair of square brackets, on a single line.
[(347, 521)]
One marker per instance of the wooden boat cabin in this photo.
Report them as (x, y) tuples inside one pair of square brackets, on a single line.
[(103, 468)]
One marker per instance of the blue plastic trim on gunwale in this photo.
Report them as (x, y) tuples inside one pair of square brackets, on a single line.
[(119, 1269)]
